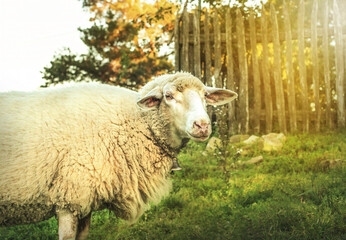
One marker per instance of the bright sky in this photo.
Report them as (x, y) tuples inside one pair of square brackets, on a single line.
[(31, 32)]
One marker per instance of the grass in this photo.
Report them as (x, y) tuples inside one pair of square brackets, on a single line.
[(292, 194)]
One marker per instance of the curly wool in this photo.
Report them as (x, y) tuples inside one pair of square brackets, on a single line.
[(83, 148)]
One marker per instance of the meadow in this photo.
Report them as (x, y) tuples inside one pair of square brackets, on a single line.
[(296, 193)]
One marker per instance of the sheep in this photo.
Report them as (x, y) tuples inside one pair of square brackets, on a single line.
[(68, 151)]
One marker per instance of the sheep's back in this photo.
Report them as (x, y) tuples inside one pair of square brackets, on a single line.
[(82, 147)]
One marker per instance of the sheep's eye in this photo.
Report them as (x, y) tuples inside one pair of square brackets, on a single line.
[(169, 96), (206, 94)]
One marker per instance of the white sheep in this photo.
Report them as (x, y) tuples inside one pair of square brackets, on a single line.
[(70, 151)]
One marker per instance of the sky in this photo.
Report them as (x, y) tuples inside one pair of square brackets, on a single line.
[(31, 32)]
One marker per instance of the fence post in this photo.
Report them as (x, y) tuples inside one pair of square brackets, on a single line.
[(230, 72), (177, 43), (302, 68), (243, 109), (266, 74), (339, 66), (291, 99), (280, 99), (197, 45), (185, 49), (329, 121), (315, 67), (207, 50), (256, 75), (217, 51)]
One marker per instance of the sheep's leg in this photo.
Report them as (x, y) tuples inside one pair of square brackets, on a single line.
[(67, 225), (83, 227)]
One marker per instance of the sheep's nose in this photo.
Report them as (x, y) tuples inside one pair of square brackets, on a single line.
[(201, 127)]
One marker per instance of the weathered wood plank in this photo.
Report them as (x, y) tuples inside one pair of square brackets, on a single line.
[(291, 99), (326, 71), (339, 66), (256, 74), (217, 51), (197, 44), (221, 113), (266, 74), (191, 46), (208, 79), (243, 108), (230, 73), (277, 72), (177, 43), (302, 67), (185, 48), (315, 67)]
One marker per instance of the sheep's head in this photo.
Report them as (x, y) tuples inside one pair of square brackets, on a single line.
[(184, 98)]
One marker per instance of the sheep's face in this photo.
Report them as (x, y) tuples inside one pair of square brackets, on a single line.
[(186, 107)]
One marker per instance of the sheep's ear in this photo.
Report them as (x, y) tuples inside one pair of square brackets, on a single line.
[(151, 100), (219, 96)]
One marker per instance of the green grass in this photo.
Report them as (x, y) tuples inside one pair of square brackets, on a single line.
[(292, 194)]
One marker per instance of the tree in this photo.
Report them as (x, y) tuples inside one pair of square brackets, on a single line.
[(124, 44)]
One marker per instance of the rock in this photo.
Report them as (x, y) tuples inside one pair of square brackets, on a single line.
[(273, 141), (238, 138), (251, 140), (213, 143), (244, 152), (254, 160), (331, 163)]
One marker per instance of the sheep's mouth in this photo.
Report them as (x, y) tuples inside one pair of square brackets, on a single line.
[(199, 138)]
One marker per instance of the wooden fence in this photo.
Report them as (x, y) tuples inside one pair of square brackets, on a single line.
[(288, 79)]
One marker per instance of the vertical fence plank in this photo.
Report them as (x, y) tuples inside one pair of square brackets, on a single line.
[(315, 67), (220, 114), (302, 67), (328, 90), (266, 74), (187, 59), (197, 44), (185, 50), (191, 45), (230, 72), (279, 90), (256, 75), (243, 108), (176, 44), (217, 51), (207, 50), (291, 99), (339, 66)]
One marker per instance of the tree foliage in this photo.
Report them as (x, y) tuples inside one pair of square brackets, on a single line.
[(124, 42)]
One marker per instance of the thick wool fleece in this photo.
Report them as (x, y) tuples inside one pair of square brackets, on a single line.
[(83, 148)]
